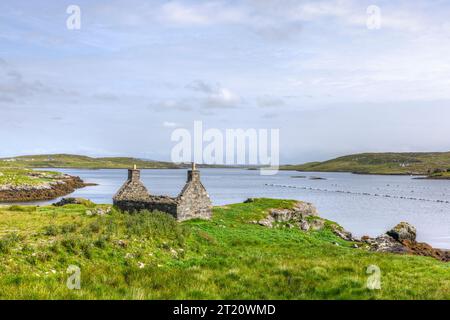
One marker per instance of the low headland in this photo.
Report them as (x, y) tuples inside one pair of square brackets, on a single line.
[(431, 165), (260, 249), (83, 162), (21, 185), (72, 161)]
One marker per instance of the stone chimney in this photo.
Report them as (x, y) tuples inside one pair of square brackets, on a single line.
[(131, 192), (193, 174), (134, 174)]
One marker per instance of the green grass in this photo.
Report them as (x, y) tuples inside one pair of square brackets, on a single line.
[(440, 175), (77, 161), (151, 256), (22, 176), (382, 163)]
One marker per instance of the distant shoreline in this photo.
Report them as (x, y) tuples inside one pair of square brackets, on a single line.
[(433, 165)]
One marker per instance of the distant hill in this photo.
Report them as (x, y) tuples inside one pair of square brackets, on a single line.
[(434, 164), (77, 161)]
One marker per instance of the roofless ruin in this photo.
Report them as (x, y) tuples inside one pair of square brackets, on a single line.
[(192, 202)]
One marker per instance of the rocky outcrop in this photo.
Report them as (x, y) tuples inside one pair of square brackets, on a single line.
[(297, 216), (57, 186), (385, 243), (402, 240), (399, 240), (403, 231), (424, 249), (342, 233), (303, 216)]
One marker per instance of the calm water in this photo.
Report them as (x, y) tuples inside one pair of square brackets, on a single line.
[(362, 204)]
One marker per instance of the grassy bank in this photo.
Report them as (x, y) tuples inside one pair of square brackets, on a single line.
[(21, 176), (151, 256), (434, 164)]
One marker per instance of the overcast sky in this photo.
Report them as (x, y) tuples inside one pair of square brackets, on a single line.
[(136, 70)]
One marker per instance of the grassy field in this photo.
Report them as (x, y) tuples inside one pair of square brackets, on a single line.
[(76, 161), (151, 256), (383, 163), (21, 176)]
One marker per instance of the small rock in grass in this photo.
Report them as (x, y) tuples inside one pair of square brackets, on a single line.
[(317, 224), (304, 225)]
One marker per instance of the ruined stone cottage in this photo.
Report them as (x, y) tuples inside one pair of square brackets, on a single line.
[(192, 202)]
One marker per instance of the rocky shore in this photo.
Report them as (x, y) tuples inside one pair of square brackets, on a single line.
[(402, 240), (399, 240), (55, 185)]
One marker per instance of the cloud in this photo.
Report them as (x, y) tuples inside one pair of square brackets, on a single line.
[(214, 96), (206, 13), (168, 124), (106, 96), (14, 86), (270, 115), (264, 19), (200, 86), (286, 19), (269, 101), (144, 53), (222, 98), (170, 104)]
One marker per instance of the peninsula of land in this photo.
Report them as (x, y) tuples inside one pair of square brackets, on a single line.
[(21, 185), (432, 165)]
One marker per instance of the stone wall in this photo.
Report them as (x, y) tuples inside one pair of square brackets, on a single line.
[(133, 189), (192, 202)]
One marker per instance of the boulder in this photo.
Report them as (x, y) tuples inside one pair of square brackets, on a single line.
[(283, 215), (305, 209), (267, 222), (342, 233), (304, 226), (402, 239), (317, 224), (300, 216), (386, 243), (403, 231), (298, 213)]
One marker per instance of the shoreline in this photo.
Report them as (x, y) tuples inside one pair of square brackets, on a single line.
[(418, 176), (62, 186)]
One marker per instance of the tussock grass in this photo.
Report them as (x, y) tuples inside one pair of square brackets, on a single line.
[(151, 256)]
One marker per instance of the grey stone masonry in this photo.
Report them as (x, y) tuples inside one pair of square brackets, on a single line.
[(192, 202), (133, 189)]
